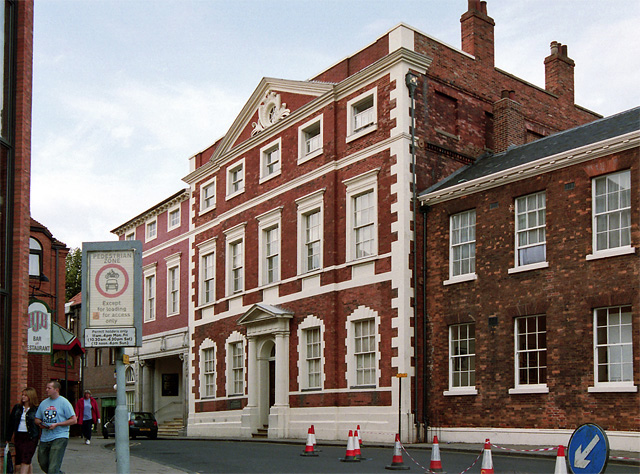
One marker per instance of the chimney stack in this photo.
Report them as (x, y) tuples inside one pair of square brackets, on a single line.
[(558, 72), (508, 122), (477, 33)]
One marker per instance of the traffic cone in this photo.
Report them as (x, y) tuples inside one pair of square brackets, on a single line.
[(356, 446), (487, 461), (561, 462), (436, 463), (313, 437), (397, 464), (308, 450), (350, 456), (359, 437)]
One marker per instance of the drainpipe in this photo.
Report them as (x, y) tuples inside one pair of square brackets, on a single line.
[(425, 316), (411, 81)]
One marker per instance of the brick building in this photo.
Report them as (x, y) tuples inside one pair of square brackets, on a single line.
[(300, 239), (533, 296), (15, 165)]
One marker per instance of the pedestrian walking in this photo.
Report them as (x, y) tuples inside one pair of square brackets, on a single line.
[(87, 414), (55, 414), (24, 431)]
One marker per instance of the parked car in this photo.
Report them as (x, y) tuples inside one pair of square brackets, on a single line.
[(141, 423)]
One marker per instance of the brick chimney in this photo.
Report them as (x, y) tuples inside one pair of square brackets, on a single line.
[(477, 33), (508, 122), (558, 72)]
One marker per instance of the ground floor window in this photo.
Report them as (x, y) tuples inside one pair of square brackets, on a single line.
[(462, 356), (613, 346)]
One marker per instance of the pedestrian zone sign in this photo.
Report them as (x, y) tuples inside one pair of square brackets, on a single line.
[(588, 450)]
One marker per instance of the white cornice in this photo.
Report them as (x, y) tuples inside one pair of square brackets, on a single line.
[(154, 211), (535, 168)]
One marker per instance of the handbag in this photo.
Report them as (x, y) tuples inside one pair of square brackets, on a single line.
[(8, 460)]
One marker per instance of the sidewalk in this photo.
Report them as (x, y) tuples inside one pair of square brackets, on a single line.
[(100, 458)]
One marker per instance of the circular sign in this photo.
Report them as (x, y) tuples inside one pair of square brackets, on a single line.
[(588, 450), (113, 286)]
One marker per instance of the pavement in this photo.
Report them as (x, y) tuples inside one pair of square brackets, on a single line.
[(100, 457)]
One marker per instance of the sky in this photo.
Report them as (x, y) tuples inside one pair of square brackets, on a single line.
[(125, 91)]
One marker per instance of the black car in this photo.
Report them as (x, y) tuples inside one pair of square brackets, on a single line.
[(141, 423)]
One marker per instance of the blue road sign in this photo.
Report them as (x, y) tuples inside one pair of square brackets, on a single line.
[(588, 450)]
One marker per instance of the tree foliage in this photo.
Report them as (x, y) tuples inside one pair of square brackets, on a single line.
[(73, 280)]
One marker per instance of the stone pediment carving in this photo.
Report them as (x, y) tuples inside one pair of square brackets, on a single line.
[(270, 111)]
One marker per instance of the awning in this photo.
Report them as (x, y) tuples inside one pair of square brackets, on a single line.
[(64, 340)]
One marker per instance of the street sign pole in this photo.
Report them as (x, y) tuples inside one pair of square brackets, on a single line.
[(122, 421), (400, 377)]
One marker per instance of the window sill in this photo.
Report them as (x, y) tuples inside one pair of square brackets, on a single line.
[(526, 268), (309, 156), (611, 253), (205, 211), (460, 279), (204, 305), (232, 195), (454, 392), (447, 134), (363, 387), (528, 390), (264, 179), (362, 132), (613, 388), (306, 390)]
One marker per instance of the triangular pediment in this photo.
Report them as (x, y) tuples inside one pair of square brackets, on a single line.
[(272, 102), (261, 312)]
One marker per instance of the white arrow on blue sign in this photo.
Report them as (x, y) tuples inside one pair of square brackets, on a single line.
[(588, 450)]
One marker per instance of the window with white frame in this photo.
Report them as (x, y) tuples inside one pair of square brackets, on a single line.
[(208, 195), (130, 376), (173, 218), (269, 252), (310, 230), (130, 236), (150, 297), (310, 139), (206, 251), (363, 348), (362, 114), (362, 215), (462, 358), (462, 244), (207, 369), (131, 399), (611, 197), (613, 348), (270, 160), (35, 258), (531, 351), (312, 356), (235, 179), (173, 290), (235, 364), (531, 242), (151, 229), (235, 259)]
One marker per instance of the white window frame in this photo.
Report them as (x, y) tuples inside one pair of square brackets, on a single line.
[(265, 155), (617, 340), (171, 211), (206, 249), (238, 165), (130, 236), (358, 186), (531, 348), (131, 400), (623, 212), (234, 340), (129, 375), (233, 237), (151, 229), (268, 222), (208, 203), (205, 375), (530, 214), (469, 389), (310, 322), (173, 264), (149, 273), (362, 313), (308, 205), (303, 132), (352, 106), (471, 275)]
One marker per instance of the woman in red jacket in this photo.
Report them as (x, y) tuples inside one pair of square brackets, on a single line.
[(87, 413)]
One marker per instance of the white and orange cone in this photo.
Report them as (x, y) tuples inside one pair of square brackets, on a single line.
[(350, 456), (397, 463), (356, 446), (359, 436), (487, 461), (436, 462), (561, 462), (309, 450), (313, 437)]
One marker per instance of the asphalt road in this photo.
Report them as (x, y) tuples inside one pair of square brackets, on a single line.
[(214, 456)]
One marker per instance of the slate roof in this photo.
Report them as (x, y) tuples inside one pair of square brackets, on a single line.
[(593, 132)]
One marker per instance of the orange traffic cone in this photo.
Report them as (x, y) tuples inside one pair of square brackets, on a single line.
[(356, 446), (350, 456), (436, 463), (397, 463), (308, 450), (487, 461), (313, 437), (359, 437), (561, 462)]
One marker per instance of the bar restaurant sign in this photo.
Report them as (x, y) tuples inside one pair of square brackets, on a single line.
[(112, 294), (39, 340)]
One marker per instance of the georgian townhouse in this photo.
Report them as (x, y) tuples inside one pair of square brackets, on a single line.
[(157, 376), (303, 304), (533, 295)]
